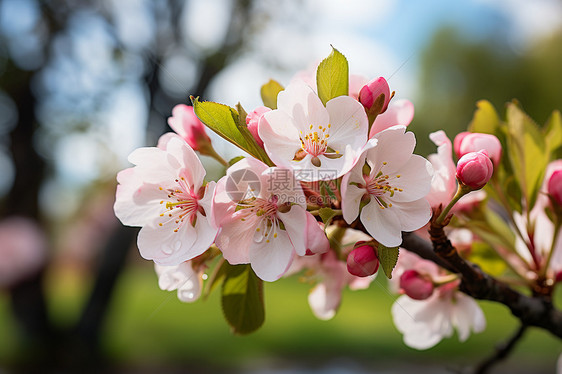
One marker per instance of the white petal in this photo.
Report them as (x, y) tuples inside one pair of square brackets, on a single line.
[(166, 247), (383, 224), (395, 147), (280, 137), (467, 316), (282, 183), (415, 179), (351, 199), (412, 215), (295, 224), (320, 303), (153, 165), (399, 112), (301, 103), (349, 123), (271, 258), (192, 169)]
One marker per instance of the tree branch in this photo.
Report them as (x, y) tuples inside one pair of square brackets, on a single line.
[(531, 311), (502, 351)]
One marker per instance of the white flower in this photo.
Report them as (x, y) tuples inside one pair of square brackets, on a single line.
[(165, 195), (183, 278), (424, 323), (394, 182), (319, 143)]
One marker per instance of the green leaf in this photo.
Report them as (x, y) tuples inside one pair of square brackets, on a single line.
[(553, 133), (332, 76), (234, 160), (269, 92), (242, 299), (230, 125), (216, 277), (327, 214), (219, 118), (485, 119), (252, 146), (526, 149), (387, 258)]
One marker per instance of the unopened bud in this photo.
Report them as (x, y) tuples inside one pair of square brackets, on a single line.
[(466, 142), (186, 124), (363, 261), (554, 187), (370, 95), (416, 285), (475, 169)]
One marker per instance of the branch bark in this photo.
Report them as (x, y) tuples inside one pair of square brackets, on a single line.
[(532, 311)]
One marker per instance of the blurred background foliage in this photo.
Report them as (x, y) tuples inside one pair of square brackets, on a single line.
[(82, 83)]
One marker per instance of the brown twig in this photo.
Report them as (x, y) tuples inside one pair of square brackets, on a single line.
[(502, 351)]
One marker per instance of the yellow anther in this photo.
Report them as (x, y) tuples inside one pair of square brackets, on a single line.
[(160, 188), (159, 224)]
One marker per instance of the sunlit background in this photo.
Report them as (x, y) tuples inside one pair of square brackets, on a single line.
[(83, 83)]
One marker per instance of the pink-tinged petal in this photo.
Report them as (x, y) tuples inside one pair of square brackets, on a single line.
[(303, 105), (349, 123), (395, 147), (235, 238), (316, 239), (281, 183), (222, 204), (399, 112), (415, 179), (295, 223), (280, 137), (382, 224), (467, 316), (351, 199), (372, 90), (205, 230), (356, 83), (164, 139), (136, 203), (444, 184), (243, 180), (191, 168), (153, 165), (271, 258), (186, 124)]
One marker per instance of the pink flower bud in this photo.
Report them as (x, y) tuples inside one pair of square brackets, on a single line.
[(475, 169), (252, 121), (466, 142), (554, 187), (371, 91), (416, 285), (186, 124), (363, 261)]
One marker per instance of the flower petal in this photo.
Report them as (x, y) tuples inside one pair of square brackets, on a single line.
[(303, 105), (383, 224), (295, 224), (349, 123), (415, 179), (271, 258), (399, 112), (235, 238), (413, 214)]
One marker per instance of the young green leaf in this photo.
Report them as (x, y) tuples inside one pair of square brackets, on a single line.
[(332, 76), (485, 119), (242, 299), (327, 214), (387, 258), (219, 118), (269, 92), (526, 148), (252, 146), (553, 133)]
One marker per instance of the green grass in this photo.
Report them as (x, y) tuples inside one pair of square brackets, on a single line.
[(150, 327)]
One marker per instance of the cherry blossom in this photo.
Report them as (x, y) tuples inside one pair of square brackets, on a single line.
[(475, 169), (424, 323), (319, 143), (260, 211), (182, 277), (164, 193), (399, 112), (394, 182), (186, 124)]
